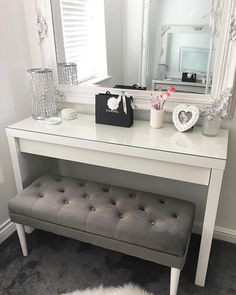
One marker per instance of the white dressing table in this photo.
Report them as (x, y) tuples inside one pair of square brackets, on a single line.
[(189, 157)]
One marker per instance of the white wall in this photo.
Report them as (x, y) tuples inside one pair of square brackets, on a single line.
[(132, 40), (184, 11), (14, 97), (114, 41), (123, 38), (154, 30), (227, 207)]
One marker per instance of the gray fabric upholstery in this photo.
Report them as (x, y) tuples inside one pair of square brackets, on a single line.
[(104, 242), (147, 220)]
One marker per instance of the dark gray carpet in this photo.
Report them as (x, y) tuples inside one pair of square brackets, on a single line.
[(57, 264)]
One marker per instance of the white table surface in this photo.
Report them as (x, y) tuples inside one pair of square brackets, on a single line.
[(179, 82), (140, 135)]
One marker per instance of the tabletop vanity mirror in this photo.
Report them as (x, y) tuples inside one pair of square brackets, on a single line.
[(96, 45)]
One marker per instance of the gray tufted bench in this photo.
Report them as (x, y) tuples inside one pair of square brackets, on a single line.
[(149, 226)]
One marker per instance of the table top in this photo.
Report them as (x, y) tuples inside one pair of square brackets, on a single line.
[(179, 82), (140, 135)]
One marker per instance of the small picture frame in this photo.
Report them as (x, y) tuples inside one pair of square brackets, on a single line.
[(185, 117)]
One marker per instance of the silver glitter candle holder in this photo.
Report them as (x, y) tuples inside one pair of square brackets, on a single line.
[(161, 71), (67, 73), (42, 93)]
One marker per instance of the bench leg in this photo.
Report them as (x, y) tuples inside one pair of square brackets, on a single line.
[(174, 280), (21, 234)]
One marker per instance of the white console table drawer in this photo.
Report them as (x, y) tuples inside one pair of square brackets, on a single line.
[(169, 170)]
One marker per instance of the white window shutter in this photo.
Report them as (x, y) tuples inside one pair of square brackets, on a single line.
[(78, 33)]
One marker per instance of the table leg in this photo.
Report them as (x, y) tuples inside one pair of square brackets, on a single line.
[(16, 158), (208, 225)]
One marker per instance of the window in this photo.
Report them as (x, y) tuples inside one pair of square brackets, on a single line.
[(83, 30)]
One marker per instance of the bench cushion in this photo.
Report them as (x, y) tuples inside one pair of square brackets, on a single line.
[(148, 220)]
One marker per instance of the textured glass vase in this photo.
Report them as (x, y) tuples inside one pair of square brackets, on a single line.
[(67, 73), (161, 71), (211, 126), (42, 93)]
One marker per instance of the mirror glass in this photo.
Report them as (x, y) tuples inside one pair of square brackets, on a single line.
[(104, 43)]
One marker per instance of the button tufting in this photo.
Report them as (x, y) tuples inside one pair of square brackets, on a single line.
[(132, 196), (69, 197), (105, 190)]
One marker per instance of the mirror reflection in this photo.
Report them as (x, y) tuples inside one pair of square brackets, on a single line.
[(104, 43)]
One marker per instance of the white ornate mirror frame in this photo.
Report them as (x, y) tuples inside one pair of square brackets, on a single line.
[(41, 39)]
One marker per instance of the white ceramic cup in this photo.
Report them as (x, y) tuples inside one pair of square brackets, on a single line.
[(156, 118), (68, 114)]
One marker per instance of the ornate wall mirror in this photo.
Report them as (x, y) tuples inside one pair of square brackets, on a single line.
[(95, 45)]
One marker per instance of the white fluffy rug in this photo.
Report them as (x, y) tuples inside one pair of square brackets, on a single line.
[(128, 289)]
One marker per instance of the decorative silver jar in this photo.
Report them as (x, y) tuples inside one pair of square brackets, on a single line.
[(67, 73), (211, 126), (42, 93), (161, 71)]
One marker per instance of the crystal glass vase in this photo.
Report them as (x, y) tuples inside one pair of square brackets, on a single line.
[(42, 93), (67, 73), (211, 126), (161, 71)]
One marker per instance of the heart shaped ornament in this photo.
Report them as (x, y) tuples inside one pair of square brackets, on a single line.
[(185, 117)]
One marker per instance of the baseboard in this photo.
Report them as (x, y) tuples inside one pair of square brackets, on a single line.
[(220, 233), (6, 229)]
